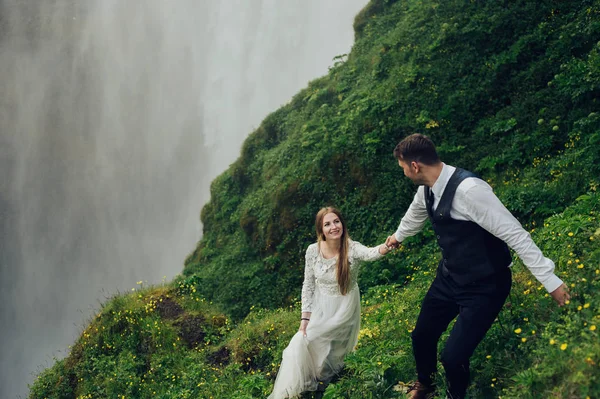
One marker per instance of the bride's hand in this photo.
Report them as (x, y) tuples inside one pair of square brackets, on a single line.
[(384, 249), (303, 325), (392, 242)]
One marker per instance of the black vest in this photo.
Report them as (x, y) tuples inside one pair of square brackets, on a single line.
[(469, 252)]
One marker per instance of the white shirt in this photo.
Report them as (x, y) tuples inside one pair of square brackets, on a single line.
[(475, 201)]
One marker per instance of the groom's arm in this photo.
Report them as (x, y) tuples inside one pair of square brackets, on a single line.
[(480, 205), (413, 220)]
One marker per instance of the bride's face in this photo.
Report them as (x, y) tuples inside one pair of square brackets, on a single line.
[(332, 227)]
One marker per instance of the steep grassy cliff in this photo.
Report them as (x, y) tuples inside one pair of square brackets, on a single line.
[(501, 87), (508, 89)]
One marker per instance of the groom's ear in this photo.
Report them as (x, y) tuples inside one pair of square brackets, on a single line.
[(414, 165)]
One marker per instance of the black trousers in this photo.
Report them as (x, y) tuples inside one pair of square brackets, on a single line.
[(477, 305)]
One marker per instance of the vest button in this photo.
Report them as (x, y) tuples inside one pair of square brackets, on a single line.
[(438, 236)]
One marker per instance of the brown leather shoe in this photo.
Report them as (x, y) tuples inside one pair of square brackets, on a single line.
[(421, 391)]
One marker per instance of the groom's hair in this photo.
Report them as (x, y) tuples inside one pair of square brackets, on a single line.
[(418, 148)]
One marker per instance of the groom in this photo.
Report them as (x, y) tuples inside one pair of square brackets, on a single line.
[(473, 278)]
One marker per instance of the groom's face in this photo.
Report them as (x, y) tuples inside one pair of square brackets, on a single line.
[(411, 170)]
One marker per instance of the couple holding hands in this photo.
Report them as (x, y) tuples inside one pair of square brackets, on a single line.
[(474, 231)]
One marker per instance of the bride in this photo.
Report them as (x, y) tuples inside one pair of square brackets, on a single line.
[(330, 318)]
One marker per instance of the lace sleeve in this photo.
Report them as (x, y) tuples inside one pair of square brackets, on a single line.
[(360, 252), (308, 286)]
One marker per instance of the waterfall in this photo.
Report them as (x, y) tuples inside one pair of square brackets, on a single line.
[(114, 118)]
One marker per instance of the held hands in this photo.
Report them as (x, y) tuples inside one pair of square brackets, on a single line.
[(561, 295), (392, 242)]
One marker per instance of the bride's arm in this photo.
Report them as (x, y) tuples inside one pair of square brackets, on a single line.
[(365, 253), (308, 287)]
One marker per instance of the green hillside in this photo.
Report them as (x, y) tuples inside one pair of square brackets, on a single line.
[(508, 89)]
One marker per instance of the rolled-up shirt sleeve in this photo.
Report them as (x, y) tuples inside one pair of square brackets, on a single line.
[(415, 217), (480, 205)]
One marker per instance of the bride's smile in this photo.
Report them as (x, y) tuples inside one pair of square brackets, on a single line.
[(332, 226)]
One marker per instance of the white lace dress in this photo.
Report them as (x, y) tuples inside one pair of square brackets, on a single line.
[(333, 328)]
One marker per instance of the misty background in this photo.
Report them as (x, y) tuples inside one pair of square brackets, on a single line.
[(114, 118)]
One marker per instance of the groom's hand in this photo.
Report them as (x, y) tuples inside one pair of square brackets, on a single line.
[(392, 242), (561, 295)]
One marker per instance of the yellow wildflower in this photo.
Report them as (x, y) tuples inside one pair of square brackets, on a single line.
[(563, 347)]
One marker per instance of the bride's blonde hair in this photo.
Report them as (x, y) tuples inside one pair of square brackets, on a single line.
[(343, 266)]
